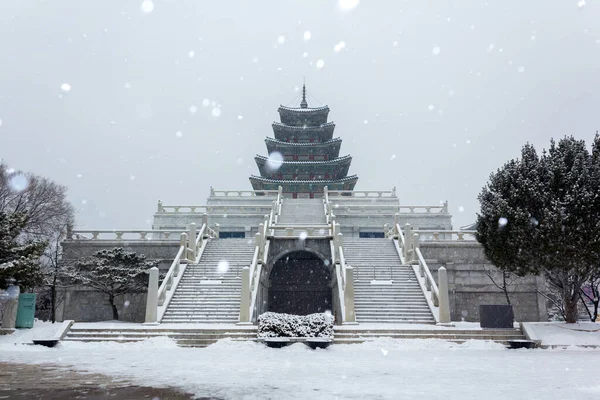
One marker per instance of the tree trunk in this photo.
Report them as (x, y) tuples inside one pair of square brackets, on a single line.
[(505, 288), (53, 297), (571, 312), (111, 299)]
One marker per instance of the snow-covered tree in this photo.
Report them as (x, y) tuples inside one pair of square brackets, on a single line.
[(114, 272), (541, 214), (19, 256)]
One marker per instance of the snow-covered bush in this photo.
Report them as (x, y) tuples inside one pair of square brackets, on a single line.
[(272, 324)]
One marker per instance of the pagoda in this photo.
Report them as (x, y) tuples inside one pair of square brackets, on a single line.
[(303, 155)]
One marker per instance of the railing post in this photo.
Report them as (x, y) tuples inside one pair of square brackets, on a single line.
[(279, 191), (415, 246), (443, 298), (69, 231), (445, 208), (192, 244), (217, 229), (183, 241), (386, 230), (212, 191), (152, 297), (349, 294), (394, 191), (245, 300), (396, 219), (407, 230), (160, 206)]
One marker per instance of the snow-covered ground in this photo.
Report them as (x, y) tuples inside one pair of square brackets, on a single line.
[(383, 369), (562, 334)]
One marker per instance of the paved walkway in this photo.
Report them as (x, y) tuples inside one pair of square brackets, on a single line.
[(50, 382)]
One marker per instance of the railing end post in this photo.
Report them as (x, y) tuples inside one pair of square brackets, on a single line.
[(152, 297), (443, 298)]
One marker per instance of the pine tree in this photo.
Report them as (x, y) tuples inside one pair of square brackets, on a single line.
[(114, 272), (19, 258), (541, 214)]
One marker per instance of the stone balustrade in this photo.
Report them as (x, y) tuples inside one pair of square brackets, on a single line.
[(447, 235), (362, 193), (302, 231), (242, 193), (352, 209), (212, 209), (121, 234)]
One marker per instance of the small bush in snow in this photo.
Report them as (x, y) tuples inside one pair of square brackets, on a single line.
[(272, 324)]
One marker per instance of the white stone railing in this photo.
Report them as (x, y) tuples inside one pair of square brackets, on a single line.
[(446, 235), (192, 245), (361, 193), (251, 275), (212, 209), (301, 231), (241, 193), (352, 209), (120, 234)]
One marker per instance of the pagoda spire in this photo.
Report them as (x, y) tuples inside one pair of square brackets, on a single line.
[(303, 104)]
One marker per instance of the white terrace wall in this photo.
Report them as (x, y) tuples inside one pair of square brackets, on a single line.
[(469, 286)]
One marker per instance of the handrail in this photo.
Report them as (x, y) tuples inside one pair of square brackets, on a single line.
[(430, 284), (340, 285), (168, 279), (342, 263)]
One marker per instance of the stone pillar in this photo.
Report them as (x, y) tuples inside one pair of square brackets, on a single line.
[(444, 300), (415, 246), (349, 295), (152, 297), (159, 207), (193, 241), (245, 299)]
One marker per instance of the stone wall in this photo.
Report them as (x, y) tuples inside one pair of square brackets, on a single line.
[(469, 286), (87, 305)]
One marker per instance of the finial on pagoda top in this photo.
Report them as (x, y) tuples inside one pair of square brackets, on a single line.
[(304, 104)]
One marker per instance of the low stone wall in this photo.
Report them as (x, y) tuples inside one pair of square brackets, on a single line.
[(469, 286), (83, 304)]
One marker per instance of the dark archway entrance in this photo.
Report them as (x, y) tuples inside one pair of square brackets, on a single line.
[(299, 284)]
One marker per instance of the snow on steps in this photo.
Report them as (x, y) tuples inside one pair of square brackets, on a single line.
[(376, 263), (185, 337), (210, 290), (202, 335), (353, 335)]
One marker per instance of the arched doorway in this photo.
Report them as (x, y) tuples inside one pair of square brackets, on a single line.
[(300, 284)]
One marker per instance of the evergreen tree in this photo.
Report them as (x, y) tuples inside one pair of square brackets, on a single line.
[(19, 257), (541, 214), (114, 272)]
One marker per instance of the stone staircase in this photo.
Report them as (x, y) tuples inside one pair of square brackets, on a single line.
[(302, 212), (352, 335), (185, 337), (209, 292), (385, 291)]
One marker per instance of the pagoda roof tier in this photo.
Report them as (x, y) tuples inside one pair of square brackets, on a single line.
[(303, 186), (337, 168), (303, 116), (304, 133), (331, 148)]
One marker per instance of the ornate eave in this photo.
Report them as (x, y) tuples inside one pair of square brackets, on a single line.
[(351, 178), (320, 133), (331, 148), (303, 116), (337, 167)]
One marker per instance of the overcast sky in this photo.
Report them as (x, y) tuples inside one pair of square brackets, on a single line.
[(108, 97)]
